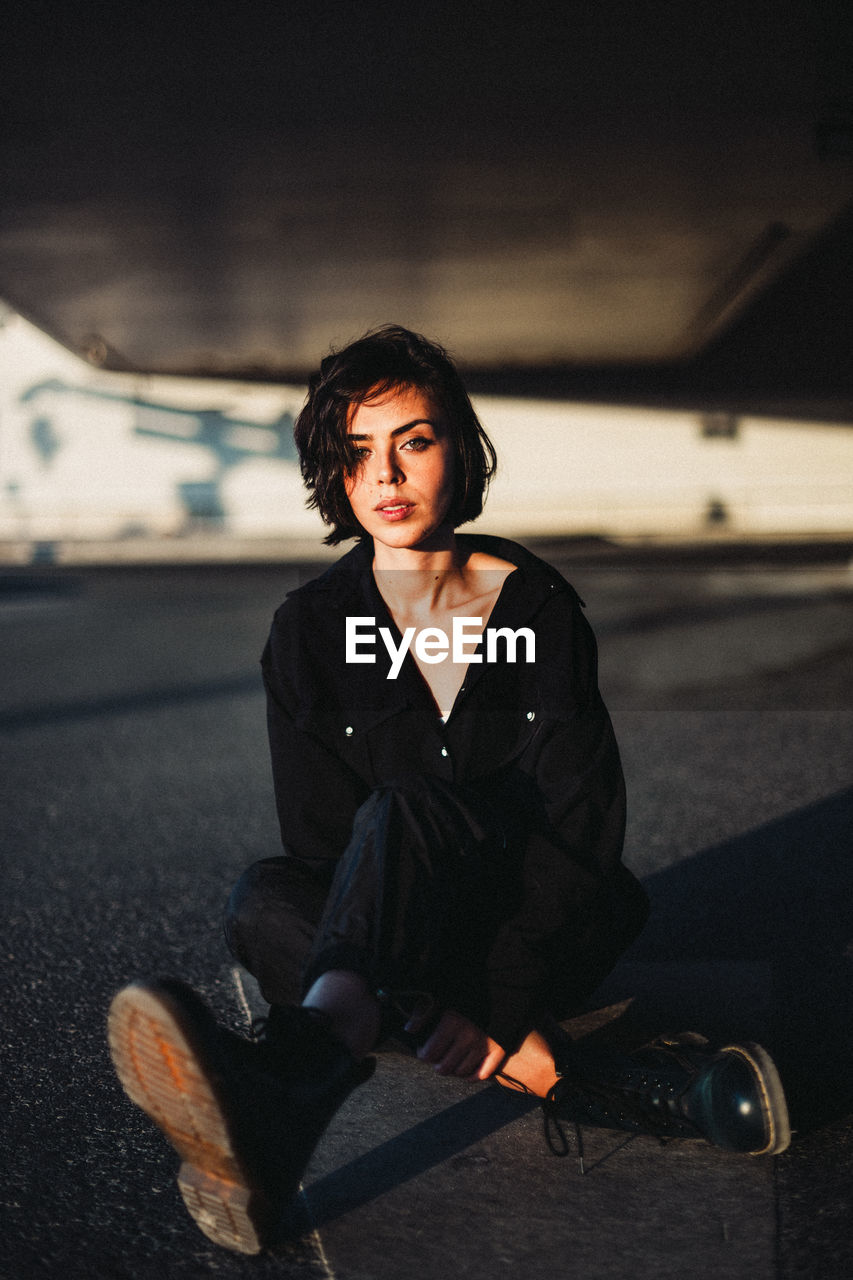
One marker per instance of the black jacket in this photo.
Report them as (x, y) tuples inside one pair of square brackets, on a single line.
[(534, 738)]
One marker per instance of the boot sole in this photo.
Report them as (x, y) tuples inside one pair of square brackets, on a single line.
[(164, 1067), (772, 1096)]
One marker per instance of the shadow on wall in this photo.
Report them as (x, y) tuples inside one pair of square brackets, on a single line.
[(780, 896)]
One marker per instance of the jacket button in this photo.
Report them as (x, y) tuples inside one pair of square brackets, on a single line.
[(444, 751), (348, 730), (531, 715)]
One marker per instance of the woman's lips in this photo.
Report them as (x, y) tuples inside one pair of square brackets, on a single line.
[(395, 511)]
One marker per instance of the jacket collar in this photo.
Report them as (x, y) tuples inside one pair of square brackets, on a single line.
[(352, 587), (348, 588)]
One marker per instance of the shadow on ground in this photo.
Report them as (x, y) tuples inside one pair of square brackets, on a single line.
[(432, 1142), (761, 926), (780, 897)]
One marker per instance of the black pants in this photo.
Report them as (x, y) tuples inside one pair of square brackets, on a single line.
[(415, 903)]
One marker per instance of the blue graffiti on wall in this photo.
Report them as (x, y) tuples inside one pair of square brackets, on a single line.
[(228, 440)]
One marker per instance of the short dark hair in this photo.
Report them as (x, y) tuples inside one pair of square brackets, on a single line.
[(385, 360)]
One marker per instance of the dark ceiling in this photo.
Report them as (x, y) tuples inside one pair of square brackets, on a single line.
[(633, 200)]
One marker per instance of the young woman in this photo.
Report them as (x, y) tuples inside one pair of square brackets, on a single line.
[(452, 813)]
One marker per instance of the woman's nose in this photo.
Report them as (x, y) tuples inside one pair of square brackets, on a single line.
[(388, 469)]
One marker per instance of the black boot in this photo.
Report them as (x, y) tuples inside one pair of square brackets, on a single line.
[(676, 1088), (243, 1116)]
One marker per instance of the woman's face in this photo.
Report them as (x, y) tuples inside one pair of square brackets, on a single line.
[(403, 488)]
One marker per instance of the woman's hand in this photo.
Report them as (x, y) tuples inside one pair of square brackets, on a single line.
[(458, 1047)]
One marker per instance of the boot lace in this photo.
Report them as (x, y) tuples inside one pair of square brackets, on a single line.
[(640, 1105), (554, 1133)]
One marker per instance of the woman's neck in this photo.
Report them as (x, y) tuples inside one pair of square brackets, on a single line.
[(434, 590), (415, 579)]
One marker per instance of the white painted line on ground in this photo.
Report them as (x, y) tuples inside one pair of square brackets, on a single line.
[(242, 999), (316, 1241)]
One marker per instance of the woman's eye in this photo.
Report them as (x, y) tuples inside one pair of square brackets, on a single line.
[(360, 451), (417, 444)]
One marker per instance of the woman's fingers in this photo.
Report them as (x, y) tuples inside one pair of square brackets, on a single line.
[(447, 1039), (492, 1062), (421, 1015), (459, 1047), (434, 1045)]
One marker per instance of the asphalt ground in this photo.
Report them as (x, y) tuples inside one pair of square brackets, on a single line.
[(135, 788)]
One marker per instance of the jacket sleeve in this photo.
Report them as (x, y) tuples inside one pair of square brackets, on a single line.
[(571, 855), (316, 792)]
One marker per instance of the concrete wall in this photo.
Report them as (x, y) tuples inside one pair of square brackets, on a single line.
[(97, 465)]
